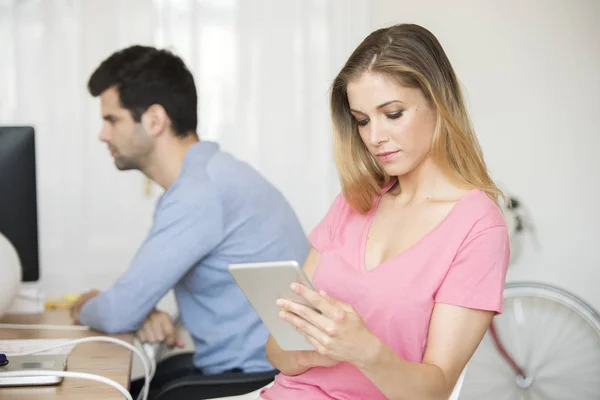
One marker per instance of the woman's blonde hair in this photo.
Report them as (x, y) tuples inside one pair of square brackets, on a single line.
[(414, 57)]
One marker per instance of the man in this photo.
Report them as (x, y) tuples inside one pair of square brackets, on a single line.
[(215, 211)]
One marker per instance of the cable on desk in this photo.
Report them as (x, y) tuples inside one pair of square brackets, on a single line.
[(148, 370), (69, 374), (45, 327)]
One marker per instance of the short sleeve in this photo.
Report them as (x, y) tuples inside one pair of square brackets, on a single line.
[(477, 275), (322, 235)]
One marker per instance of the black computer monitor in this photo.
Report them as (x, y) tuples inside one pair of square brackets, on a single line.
[(18, 196)]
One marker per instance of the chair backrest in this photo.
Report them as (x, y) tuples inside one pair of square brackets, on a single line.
[(458, 386)]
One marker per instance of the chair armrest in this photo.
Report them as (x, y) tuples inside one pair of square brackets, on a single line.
[(211, 386), (229, 378)]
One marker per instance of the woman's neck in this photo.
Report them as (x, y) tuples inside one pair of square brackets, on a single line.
[(423, 183)]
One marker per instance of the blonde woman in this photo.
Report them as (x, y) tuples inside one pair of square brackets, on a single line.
[(411, 259)]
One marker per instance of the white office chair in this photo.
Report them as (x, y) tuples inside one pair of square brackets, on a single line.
[(458, 386), (254, 395)]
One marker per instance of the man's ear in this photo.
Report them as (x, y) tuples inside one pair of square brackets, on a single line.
[(155, 120)]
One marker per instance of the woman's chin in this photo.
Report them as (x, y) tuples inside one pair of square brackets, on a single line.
[(398, 169)]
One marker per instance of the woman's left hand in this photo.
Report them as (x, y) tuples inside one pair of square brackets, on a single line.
[(338, 332)]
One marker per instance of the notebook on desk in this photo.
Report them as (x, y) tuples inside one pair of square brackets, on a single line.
[(54, 360)]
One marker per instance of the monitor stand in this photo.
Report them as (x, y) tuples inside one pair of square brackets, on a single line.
[(29, 300)]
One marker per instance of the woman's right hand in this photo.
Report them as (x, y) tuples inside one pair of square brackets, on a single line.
[(311, 358)]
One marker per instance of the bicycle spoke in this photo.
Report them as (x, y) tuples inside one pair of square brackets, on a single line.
[(550, 355), (551, 349), (482, 391), (498, 367), (535, 344), (575, 361), (528, 360), (558, 335), (510, 395), (519, 319), (554, 336), (572, 379), (572, 390)]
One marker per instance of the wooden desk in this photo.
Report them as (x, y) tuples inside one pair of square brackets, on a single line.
[(106, 359)]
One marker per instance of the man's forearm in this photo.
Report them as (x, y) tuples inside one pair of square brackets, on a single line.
[(84, 298), (100, 313)]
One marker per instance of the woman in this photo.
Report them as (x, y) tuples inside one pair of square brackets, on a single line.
[(410, 260)]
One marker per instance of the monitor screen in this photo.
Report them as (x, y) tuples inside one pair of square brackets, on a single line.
[(18, 196)]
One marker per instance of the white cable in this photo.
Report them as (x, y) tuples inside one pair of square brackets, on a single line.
[(147, 371), (146, 386), (46, 327), (68, 374), (149, 350)]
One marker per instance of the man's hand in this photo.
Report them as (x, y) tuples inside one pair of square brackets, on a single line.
[(76, 307), (158, 327)]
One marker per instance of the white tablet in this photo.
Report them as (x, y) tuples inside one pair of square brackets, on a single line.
[(263, 284)]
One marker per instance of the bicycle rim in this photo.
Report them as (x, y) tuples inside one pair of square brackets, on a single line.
[(553, 335)]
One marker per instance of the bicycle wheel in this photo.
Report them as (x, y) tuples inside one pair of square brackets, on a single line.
[(552, 335)]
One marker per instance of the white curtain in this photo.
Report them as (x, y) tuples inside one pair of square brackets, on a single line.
[(263, 70)]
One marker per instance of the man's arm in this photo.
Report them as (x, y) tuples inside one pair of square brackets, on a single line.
[(184, 231), (81, 300)]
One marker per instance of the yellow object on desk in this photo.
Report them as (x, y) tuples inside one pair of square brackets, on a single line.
[(63, 302)]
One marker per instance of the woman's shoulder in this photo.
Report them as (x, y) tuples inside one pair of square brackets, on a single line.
[(340, 210), (478, 210)]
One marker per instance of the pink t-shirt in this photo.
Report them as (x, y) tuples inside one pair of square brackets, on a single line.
[(463, 261)]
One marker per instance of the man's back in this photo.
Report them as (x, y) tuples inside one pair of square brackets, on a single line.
[(215, 211), (219, 211), (256, 224)]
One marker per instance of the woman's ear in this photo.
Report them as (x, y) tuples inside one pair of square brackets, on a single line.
[(155, 120)]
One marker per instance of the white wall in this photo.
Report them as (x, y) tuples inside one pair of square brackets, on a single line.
[(262, 69), (531, 70)]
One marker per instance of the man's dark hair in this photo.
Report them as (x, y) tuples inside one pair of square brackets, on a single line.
[(145, 76)]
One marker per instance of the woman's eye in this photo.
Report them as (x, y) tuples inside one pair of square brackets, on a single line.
[(362, 122), (395, 115)]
